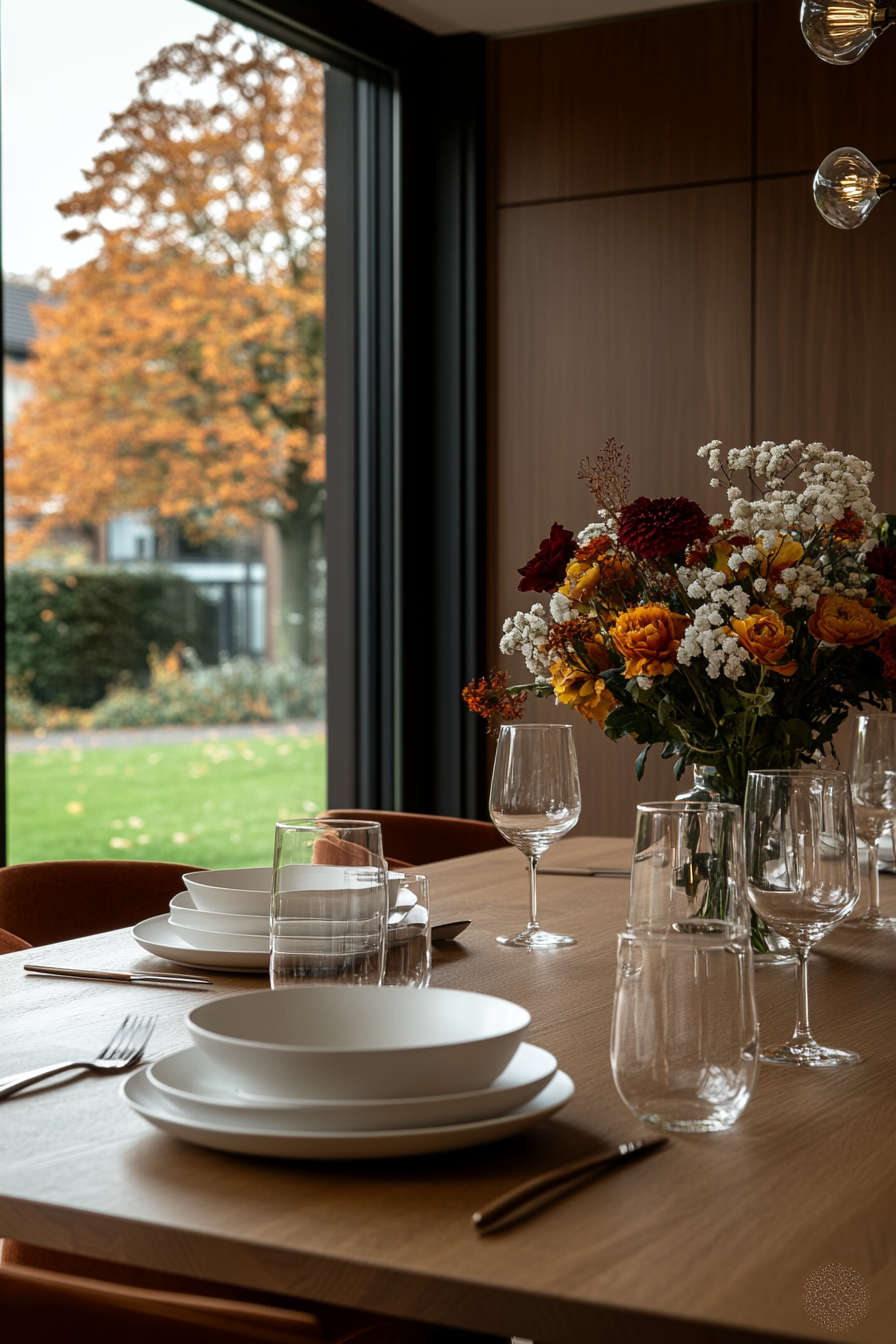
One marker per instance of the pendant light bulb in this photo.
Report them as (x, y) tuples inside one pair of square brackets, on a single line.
[(847, 187), (841, 31)]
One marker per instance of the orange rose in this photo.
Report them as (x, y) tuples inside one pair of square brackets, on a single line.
[(785, 553), (766, 638), (648, 638), (585, 580), (843, 620), (586, 693)]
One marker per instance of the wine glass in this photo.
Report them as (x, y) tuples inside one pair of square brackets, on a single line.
[(874, 801), (802, 878), (534, 801)]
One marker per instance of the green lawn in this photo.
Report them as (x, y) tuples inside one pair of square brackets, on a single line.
[(212, 803)]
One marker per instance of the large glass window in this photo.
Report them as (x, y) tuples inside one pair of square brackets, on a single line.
[(165, 437)]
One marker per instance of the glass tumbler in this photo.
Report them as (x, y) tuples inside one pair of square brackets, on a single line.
[(408, 934), (685, 1040), (688, 872), (329, 904)]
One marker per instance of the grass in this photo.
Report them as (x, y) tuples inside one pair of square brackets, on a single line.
[(209, 803)]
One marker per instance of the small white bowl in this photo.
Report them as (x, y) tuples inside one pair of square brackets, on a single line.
[(348, 1042), (232, 891), (185, 916)]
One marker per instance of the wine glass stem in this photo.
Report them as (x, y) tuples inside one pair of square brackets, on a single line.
[(873, 879), (533, 900), (802, 1034)]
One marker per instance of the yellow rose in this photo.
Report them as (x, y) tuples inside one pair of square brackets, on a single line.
[(586, 693), (586, 579), (843, 620), (648, 638), (784, 553), (766, 638)]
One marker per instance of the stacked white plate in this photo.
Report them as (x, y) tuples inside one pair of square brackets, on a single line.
[(348, 1072), (222, 922)]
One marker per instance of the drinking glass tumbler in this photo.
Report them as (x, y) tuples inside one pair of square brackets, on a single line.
[(685, 1040), (408, 933), (329, 904), (688, 872), (803, 878), (874, 801), (534, 801)]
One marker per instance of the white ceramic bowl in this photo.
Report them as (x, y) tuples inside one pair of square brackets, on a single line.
[(184, 915), (232, 891), (347, 1042), (195, 1087), (213, 941)]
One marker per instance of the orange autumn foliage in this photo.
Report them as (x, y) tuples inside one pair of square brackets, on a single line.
[(181, 372)]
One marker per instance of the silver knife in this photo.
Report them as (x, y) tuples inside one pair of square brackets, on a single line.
[(123, 977), (585, 872), (524, 1200)]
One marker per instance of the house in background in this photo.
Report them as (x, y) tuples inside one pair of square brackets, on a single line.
[(231, 577)]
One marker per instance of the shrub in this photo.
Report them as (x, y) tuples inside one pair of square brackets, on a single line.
[(70, 636)]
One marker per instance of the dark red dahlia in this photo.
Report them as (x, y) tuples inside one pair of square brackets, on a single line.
[(652, 528), (886, 649), (547, 569), (882, 560)]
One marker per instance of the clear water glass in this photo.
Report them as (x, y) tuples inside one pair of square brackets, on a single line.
[(409, 932), (685, 1040), (803, 878), (329, 904), (535, 800), (874, 801), (688, 869)]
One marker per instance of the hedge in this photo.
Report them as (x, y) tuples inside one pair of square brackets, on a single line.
[(72, 636)]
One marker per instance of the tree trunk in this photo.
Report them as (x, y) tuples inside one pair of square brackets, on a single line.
[(301, 628)]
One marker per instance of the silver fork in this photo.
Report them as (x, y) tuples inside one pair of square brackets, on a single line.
[(124, 1049)]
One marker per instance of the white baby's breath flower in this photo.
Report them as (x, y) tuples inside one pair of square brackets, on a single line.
[(644, 682)]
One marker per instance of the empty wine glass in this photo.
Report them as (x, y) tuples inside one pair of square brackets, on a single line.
[(874, 801), (534, 801), (802, 878)]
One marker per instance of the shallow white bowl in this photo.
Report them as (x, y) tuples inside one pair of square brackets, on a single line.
[(232, 891), (201, 1092), (214, 941), (342, 1042), (185, 915)]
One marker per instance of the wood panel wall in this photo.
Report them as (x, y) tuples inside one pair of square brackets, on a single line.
[(660, 274)]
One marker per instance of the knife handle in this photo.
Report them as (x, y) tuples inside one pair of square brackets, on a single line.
[(561, 1181)]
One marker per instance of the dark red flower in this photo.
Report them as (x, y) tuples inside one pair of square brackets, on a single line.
[(547, 569), (882, 560), (886, 649), (652, 528)]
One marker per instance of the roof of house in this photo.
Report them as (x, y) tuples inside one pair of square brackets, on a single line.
[(18, 324)]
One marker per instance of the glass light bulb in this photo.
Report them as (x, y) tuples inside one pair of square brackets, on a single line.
[(839, 31), (847, 187)]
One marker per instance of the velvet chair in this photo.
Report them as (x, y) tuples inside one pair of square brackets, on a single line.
[(58, 899), (411, 839)]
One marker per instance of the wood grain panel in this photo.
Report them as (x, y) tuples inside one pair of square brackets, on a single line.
[(629, 317), (806, 108), (619, 106), (710, 1242), (826, 328)]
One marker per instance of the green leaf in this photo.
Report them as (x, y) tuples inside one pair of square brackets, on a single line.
[(641, 762)]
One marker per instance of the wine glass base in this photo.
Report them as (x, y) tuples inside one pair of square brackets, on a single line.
[(809, 1056), (535, 940), (872, 920)]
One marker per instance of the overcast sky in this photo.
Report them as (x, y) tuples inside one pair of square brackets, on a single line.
[(65, 67)]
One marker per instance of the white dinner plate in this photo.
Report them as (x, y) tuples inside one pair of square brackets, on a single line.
[(158, 936), (185, 915), (201, 1092), (155, 1107)]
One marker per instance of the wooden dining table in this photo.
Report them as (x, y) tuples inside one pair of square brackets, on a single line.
[(713, 1239)]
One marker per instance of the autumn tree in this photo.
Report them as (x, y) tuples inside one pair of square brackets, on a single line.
[(180, 373)]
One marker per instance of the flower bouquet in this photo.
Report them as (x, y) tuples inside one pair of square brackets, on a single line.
[(739, 640)]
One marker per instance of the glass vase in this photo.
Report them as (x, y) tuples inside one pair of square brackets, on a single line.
[(769, 948)]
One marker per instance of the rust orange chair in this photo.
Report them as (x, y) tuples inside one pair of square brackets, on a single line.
[(58, 899), (411, 839)]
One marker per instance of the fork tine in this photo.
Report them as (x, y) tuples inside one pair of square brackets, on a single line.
[(120, 1036), (139, 1043)]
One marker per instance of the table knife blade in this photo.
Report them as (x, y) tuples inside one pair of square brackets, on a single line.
[(122, 977)]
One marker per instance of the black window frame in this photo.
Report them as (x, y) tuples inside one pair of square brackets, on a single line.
[(406, 367)]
